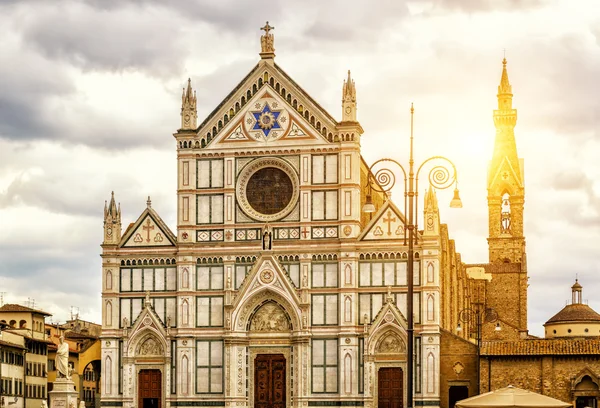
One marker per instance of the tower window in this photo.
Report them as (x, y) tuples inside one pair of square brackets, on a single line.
[(505, 215)]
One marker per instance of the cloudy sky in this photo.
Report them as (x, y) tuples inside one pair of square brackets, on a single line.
[(90, 96)]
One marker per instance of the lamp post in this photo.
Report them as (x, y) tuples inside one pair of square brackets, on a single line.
[(478, 316), (440, 176)]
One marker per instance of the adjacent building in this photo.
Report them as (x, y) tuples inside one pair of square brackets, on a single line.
[(24, 351)]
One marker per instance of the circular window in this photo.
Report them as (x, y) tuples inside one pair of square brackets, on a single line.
[(586, 330), (554, 331), (267, 189), (569, 331)]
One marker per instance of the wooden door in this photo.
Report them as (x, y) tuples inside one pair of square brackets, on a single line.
[(269, 381), (390, 387), (149, 389)]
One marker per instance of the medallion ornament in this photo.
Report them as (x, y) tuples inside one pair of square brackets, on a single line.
[(267, 276)]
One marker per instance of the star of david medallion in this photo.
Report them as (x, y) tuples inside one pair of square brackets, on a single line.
[(266, 120)]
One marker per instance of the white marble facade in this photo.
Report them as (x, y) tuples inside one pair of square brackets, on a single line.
[(295, 270)]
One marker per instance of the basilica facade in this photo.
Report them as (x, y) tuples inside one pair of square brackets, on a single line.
[(276, 289)]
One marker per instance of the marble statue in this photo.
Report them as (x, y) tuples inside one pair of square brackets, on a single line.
[(62, 359)]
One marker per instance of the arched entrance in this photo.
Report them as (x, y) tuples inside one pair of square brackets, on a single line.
[(270, 366), (149, 389), (586, 393)]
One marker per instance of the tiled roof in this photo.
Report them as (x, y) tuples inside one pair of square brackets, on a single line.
[(541, 347), (576, 312), (9, 344), (12, 307)]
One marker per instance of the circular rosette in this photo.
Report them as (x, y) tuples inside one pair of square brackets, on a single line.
[(266, 119), (267, 189)]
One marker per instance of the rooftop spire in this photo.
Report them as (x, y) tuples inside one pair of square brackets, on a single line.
[(267, 48), (504, 87), (112, 207), (149, 202), (431, 201), (189, 113), (349, 90), (349, 100), (112, 221)]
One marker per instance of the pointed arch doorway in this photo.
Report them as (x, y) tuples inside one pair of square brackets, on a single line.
[(149, 389)]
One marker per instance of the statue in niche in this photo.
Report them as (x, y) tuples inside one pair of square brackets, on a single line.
[(267, 240), (270, 318), (391, 344)]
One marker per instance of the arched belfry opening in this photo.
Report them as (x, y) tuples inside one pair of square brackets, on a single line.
[(505, 214)]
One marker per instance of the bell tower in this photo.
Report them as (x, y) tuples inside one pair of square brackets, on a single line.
[(507, 290), (506, 190)]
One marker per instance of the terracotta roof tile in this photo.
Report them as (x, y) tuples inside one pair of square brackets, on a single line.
[(12, 307), (576, 312), (541, 347)]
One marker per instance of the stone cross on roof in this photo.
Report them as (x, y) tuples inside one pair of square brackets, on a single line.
[(267, 49)]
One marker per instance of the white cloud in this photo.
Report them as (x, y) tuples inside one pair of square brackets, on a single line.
[(92, 96)]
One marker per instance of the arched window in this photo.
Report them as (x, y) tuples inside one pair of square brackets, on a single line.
[(107, 374), (348, 374), (185, 376), (109, 280), (430, 308), (430, 373), (185, 312), (348, 309), (506, 220), (185, 278), (108, 314), (430, 272), (348, 274)]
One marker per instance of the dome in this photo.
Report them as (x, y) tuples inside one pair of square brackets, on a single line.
[(577, 312)]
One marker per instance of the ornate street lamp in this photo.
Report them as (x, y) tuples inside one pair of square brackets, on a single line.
[(477, 317), (442, 175)]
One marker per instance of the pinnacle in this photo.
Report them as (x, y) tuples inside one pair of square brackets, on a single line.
[(504, 87)]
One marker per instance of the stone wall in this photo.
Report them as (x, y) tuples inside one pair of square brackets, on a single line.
[(549, 375), (458, 365)]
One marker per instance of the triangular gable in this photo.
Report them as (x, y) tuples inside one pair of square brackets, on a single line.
[(268, 277), (148, 231), (267, 118), (271, 77), (146, 328), (505, 173), (388, 320), (388, 223), (147, 319)]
